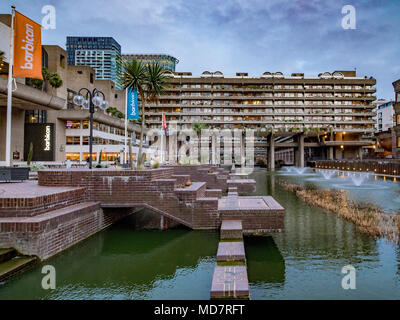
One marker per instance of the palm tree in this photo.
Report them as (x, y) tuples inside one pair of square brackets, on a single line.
[(318, 132), (197, 127), (150, 82)]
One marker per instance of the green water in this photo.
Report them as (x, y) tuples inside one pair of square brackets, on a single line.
[(303, 262)]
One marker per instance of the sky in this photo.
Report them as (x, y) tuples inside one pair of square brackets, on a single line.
[(232, 36)]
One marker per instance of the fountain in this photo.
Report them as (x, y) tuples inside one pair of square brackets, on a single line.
[(328, 173), (300, 170), (358, 179)]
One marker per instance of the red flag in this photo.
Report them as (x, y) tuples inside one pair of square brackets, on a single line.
[(164, 121)]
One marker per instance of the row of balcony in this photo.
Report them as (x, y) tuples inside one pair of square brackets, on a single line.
[(309, 114), (299, 90), (180, 97), (255, 106), (280, 122)]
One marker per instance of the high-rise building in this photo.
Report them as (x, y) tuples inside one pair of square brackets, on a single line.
[(327, 117), (103, 54), (384, 114), (166, 61)]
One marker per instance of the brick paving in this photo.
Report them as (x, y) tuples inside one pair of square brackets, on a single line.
[(28, 189)]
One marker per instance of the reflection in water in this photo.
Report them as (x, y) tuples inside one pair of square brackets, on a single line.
[(121, 263), (265, 263), (303, 262)]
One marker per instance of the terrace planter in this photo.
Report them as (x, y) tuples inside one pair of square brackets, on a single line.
[(14, 174)]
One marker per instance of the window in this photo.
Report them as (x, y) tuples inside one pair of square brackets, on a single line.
[(73, 124), (73, 156), (36, 116), (91, 77), (73, 140), (62, 61)]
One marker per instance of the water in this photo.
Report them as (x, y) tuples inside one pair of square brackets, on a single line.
[(304, 262), (362, 187)]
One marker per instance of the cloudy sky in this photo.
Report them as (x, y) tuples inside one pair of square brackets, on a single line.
[(240, 35)]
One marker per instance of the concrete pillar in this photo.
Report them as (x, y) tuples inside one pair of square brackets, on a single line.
[(271, 158), (301, 151), (242, 151), (360, 153), (330, 154)]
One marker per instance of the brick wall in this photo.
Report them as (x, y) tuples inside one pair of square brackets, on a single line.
[(155, 189), (32, 206), (54, 233)]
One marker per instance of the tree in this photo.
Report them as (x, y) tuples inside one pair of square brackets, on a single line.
[(150, 82), (53, 79), (318, 132), (30, 154)]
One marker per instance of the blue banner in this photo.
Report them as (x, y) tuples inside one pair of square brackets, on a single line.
[(132, 110)]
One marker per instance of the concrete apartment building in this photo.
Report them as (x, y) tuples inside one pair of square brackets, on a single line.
[(396, 128), (72, 123), (326, 117), (37, 112), (384, 114)]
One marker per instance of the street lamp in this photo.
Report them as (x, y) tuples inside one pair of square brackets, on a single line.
[(95, 99)]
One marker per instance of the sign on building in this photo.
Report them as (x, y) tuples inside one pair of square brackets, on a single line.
[(42, 136)]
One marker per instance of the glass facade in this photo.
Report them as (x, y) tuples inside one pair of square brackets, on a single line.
[(103, 54), (35, 116)]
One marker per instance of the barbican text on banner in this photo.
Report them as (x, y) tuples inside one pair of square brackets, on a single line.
[(27, 48)]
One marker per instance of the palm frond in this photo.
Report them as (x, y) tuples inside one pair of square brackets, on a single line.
[(156, 81), (134, 76)]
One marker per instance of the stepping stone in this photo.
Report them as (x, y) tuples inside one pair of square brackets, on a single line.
[(231, 251), (231, 230), (230, 282)]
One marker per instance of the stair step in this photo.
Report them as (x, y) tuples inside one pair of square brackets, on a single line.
[(230, 282), (231, 230), (16, 265), (7, 254), (231, 251)]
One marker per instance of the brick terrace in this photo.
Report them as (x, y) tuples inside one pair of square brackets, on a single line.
[(66, 206)]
